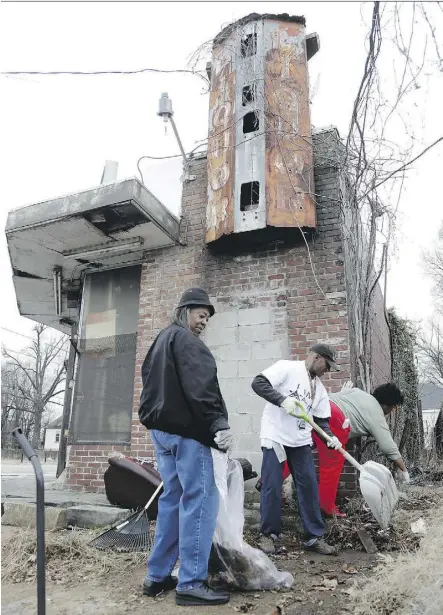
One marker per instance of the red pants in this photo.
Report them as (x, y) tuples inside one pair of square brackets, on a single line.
[(330, 461)]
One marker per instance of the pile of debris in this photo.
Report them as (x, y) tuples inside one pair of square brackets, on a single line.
[(344, 532)]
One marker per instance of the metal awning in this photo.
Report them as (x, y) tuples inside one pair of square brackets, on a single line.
[(51, 244)]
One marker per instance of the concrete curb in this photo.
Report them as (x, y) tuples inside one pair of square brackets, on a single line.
[(20, 514)]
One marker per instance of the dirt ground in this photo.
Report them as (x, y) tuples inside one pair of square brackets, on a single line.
[(121, 593), (323, 584)]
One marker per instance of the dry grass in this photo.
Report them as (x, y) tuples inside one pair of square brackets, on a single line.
[(410, 583), (69, 558)]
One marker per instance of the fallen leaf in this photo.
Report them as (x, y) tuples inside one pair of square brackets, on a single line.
[(245, 608), (349, 569), (330, 582)]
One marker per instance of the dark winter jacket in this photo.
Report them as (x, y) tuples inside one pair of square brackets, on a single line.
[(181, 394)]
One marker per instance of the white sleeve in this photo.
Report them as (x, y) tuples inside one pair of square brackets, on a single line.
[(276, 374), (322, 408)]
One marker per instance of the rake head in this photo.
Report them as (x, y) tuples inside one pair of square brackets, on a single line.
[(133, 534)]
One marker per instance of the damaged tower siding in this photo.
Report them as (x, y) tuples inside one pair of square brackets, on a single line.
[(260, 160)]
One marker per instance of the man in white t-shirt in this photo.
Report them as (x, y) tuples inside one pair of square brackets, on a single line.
[(285, 437)]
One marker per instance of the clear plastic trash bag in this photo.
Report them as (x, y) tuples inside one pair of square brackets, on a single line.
[(233, 562)]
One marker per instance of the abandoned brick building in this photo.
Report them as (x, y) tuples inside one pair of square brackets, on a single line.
[(260, 230)]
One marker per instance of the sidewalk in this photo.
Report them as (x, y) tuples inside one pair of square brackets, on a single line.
[(18, 485)]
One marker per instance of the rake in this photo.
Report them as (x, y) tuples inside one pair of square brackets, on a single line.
[(132, 534)]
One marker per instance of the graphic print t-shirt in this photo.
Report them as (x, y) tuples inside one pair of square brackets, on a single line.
[(290, 378)]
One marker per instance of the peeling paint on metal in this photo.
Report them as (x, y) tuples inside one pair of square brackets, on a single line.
[(221, 151), (289, 153), (279, 154)]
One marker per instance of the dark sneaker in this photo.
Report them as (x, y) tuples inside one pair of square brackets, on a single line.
[(268, 544), (322, 547), (202, 595), (154, 588)]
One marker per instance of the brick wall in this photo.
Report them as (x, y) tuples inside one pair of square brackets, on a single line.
[(87, 463), (268, 307)]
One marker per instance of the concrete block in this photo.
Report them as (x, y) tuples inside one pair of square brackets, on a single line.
[(254, 316), (227, 369), (250, 369), (256, 420), (269, 350), (251, 404), (254, 333), (243, 387), (222, 320), (228, 387), (252, 496), (252, 518), (234, 352), (240, 423), (248, 442), (90, 516), (21, 514), (220, 337)]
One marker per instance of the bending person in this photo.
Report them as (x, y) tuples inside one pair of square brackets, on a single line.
[(355, 413)]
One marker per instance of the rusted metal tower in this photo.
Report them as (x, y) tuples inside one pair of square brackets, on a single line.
[(260, 158)]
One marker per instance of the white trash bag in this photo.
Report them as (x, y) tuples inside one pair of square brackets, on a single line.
[(233, 562)]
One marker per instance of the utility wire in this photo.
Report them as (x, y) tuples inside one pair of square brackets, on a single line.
[(17, 333), (105, 72)]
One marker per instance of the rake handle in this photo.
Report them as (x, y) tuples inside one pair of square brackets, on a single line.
[(328, 438), (154, 495)]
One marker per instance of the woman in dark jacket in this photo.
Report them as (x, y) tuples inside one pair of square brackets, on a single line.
[(182, 405)]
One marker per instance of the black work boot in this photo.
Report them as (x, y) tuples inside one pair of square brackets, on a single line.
[(201, 595), (154, 588)]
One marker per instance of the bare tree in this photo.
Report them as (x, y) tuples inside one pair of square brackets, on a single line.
[(38, 377), (433, 262), (15, 409), (430, 352)]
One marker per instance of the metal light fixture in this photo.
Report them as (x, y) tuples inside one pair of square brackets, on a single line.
[(57, 278), (104, 249), (165, 111)]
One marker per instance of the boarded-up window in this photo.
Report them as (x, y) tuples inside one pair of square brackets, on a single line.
[(104, 388)]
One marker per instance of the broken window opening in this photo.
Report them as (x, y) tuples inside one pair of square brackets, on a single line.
[(251, 122), (249, 196), (249, 45), (248, 94)]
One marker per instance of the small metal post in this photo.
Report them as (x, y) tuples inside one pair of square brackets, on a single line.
[(40, 483)]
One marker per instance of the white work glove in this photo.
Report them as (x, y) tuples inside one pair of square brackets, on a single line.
[(404, 476), (334, 443), (291, 406), (347, 385), (223, 439)]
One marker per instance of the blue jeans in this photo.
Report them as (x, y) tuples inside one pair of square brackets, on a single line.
[(187, 510), (301, 464)]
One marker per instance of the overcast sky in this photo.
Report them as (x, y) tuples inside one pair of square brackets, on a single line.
[(57, 131)]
